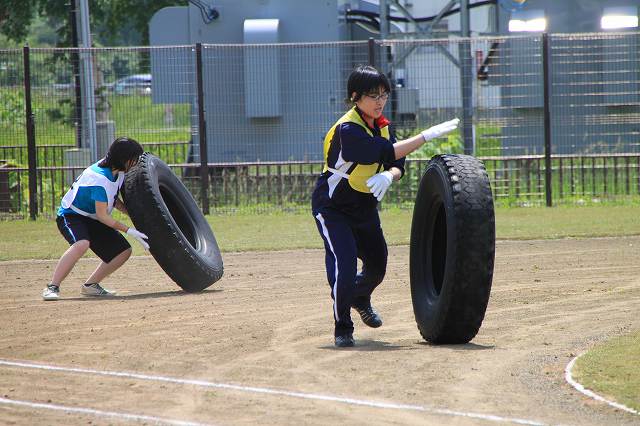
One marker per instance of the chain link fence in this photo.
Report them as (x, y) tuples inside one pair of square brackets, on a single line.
[(553, 117)]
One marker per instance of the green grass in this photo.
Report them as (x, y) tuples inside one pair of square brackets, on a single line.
[(134, 115), (611, 370), (567, 221), (281, 231), (138, 117)]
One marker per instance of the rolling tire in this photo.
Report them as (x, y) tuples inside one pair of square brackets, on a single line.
[(180, 239), (452, 249)]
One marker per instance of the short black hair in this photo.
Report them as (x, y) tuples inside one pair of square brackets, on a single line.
[(365, 79), (120, 152)]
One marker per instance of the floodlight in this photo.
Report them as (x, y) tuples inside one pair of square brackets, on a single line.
[(529, 25), (614, 22)]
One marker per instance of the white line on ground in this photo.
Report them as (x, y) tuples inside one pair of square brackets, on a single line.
[(569, 378), (91, 411), (293, 394)]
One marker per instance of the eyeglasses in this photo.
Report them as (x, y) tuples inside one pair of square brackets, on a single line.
[(382, 97)]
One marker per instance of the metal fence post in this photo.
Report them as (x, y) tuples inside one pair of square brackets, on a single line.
[(372, 52), (546, 71), (466, 79), (75, 63), (31, 136), (202, 131), (372, 62), (466, 86)]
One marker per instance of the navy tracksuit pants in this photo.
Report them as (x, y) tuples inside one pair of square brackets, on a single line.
[(345, 240)]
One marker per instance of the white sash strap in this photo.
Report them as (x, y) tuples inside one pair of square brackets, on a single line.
[(91, 178), (82, 212), (339, 173)]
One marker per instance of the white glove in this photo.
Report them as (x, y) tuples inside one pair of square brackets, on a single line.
[(378, 184), (440, 129), (138, 236)]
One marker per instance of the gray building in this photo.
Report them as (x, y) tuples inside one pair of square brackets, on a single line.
[(269, 101), (594, 73), (264, 102)]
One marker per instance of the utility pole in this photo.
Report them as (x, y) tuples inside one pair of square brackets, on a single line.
[(75, 63), (384, 20), (384, 34), (466, 80), (87, 82), (385, 55)]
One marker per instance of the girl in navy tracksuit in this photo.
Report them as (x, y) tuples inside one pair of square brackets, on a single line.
[(362, 159), (84, 219)]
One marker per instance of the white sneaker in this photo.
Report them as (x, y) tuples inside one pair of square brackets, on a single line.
[(51, 292), (96, 289)]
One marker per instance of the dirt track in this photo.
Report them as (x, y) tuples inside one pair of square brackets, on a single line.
[(267, 324)]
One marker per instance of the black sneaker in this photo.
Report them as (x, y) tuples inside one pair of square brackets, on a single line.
[(369, 316), (345, 341)]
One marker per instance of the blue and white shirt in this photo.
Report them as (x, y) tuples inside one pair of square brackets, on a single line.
[(94, 184)]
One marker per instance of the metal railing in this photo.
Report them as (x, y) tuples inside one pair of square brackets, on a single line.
[(275, 186), (555, 117)]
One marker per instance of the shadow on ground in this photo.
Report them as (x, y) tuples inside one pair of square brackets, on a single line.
[(158, 295)]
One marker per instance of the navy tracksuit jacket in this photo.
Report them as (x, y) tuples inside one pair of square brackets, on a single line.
[(346, 212)]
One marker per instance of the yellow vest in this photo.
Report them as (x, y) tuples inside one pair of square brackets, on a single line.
[(362, 172)]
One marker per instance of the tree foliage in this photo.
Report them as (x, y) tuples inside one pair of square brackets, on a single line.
[(113, 22), (16, 17)]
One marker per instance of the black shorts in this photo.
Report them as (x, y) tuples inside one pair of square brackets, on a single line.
[(104, 241)]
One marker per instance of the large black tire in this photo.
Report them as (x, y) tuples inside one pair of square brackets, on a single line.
[(452, 249), (180, 238)]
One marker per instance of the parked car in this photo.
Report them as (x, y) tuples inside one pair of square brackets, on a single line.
[(62, 87), (139, 84)]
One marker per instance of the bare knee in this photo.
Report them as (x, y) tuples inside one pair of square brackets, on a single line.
[(126, 254), (82, 245), (123, 256)]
